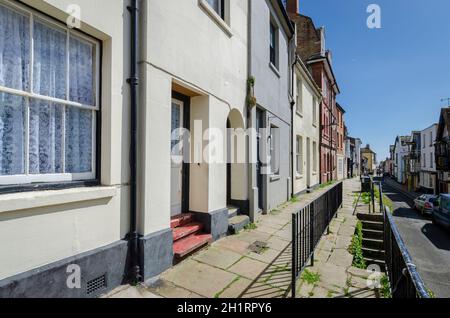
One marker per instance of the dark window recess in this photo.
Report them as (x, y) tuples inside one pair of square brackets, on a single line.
[(96, 285), (218, 6), (273, 44)]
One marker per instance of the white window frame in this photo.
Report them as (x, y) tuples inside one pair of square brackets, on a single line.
[(315, 112), (299, 107), (28, 178), (315, 152), (299, 156), (274, 150)]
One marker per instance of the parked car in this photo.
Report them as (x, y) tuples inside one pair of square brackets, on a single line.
[(441, 212), (425, 204)]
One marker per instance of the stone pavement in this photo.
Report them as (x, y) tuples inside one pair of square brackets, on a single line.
[(337, 278), (236, 267)]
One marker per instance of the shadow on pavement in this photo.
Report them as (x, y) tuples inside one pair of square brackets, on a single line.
[(275, 280)]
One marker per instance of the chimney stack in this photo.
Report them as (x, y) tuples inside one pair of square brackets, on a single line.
[(292, 6)]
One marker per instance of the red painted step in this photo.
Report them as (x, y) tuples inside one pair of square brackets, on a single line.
[(186, 230), (189, 244), (181, 219)]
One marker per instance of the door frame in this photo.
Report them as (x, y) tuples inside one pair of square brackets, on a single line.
[(185, 183), (260, 118)]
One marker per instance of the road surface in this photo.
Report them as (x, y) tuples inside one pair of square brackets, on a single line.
[(428, 244)]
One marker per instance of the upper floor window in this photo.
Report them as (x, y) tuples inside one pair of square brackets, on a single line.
[(273, 44), (218, 6), (49, 100), (299, 96), (431, 139), (314, 111)]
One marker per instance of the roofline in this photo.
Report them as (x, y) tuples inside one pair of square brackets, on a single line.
[(341, 108), (330, 68), (313, 83), (285, 17)]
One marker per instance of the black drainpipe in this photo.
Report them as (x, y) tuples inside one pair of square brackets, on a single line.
[(134, 271)]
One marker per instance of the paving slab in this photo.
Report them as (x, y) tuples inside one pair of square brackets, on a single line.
[(169, 290), (341, 257), (248, 268), (267, 256), (277, 243), (236, 289), (233, 244), (332, 277), (218, 257), (199, 278)]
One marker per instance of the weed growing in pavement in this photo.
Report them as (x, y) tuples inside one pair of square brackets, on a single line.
[(385, 287), (310, 277), (251, 226)]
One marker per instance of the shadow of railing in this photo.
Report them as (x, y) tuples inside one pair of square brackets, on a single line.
[(275, 280)]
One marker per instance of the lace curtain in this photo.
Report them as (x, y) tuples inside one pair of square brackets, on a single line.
[(47, 120), (14, 73)]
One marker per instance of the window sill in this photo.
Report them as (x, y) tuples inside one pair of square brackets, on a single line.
[(299, 177), (274, 69), (217, 19), (46, 198), (300, 114), (275, 178)]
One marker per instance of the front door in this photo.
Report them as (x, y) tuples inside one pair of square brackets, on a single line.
[(176, 177)]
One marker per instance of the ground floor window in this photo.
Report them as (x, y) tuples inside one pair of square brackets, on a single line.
[(299, 155), (49, 102)]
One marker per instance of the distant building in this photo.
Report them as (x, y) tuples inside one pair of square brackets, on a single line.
[(412, 161), (340, 142), (353, 155), (400, 151), (442, 152), (369, 160), (428, 174)]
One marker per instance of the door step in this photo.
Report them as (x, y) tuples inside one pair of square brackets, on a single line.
[(180, 220), (232, 211), (238, 223), (186, 230), (189, 244)]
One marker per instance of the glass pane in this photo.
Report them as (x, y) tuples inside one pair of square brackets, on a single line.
[(215, 4), (14, 49), (49, 69), (12, 134), (81, 72), (78, 140), (45, 151)]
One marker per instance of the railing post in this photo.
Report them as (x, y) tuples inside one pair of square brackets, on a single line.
[(294, 256)]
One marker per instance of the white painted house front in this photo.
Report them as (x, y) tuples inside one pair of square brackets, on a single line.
[(428, 171), (400, 152), (306, 131)]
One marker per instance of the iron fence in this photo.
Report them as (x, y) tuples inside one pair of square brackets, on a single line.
[(403, 276), (308, 226)]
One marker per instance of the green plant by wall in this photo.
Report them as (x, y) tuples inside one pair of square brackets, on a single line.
[(356, 248), (385, 287)]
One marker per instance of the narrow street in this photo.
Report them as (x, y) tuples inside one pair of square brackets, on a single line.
[(428, 244)]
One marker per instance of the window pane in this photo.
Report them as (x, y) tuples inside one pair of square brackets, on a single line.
[(14, 49), (82, 72), (216, 5), (78, 140), (12, 134), (45, 152), (49, 69)]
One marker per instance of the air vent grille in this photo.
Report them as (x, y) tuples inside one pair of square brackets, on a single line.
[(96, 285)]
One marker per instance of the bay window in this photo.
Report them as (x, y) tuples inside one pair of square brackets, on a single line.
[(49, 99)]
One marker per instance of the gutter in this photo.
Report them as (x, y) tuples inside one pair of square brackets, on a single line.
[(134, 271)]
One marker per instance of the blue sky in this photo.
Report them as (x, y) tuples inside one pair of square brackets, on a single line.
[(392, 79)]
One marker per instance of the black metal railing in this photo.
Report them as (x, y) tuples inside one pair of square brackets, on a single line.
[(308, 226), (403, 276)]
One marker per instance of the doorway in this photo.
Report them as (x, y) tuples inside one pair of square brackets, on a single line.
[(259, 176), (179, 173)]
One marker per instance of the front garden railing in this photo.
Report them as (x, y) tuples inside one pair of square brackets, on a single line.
[(308, 226)]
